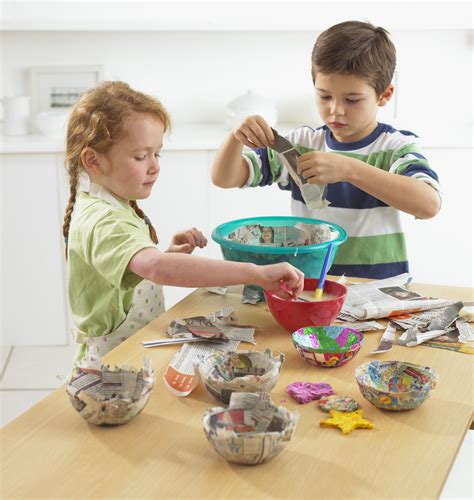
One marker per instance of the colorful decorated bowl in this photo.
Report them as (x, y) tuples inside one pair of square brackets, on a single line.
[(295, 314), (252, 430), (245, 371), (327, 346), (307, 258), (395, 385)]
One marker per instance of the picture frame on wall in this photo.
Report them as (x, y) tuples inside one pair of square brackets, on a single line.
[(57, 88)]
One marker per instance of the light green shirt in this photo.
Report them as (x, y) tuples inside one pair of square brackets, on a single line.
[(103, 237)]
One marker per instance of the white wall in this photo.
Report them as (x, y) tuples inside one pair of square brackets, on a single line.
[(196, 73)]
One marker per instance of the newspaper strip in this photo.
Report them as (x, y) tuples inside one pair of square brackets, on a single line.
[(182, 374), (386, 298), (314, 195), (441, 325), (221, 324), (467, 312), (110, 396), (252, 294), (438, 326), (218, 290), (252, 430), (466, 332), (362, 326), (388, 337), (245, 371)]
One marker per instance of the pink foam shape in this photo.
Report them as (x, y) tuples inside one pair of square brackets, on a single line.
[(304, 392)]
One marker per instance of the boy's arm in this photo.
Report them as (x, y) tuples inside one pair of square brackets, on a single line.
[(405, 193), (229, 168), (413, 196)]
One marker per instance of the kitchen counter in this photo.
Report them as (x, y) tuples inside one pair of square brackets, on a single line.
[(209, 136), (50, 451), (182, 137)]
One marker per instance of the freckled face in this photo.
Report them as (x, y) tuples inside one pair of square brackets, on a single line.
[(347, 104), (131, 166)]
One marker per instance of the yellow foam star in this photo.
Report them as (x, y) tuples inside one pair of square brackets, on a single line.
[(346, 421)]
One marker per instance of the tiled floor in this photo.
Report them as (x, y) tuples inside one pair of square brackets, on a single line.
[(28, 374)]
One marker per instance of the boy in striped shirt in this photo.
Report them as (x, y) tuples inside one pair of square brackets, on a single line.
[(372, 171)]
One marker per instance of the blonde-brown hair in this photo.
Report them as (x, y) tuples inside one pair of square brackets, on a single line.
[(97, 121), (356, 48)]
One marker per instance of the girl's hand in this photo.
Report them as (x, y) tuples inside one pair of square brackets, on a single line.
[(254, 132), (187, 241), (323, 168), (282, 279)]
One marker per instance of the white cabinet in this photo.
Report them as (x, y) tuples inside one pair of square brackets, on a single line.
[(33, 286)]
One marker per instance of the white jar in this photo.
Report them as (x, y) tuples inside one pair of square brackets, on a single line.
[(248, 104), (16, 115)]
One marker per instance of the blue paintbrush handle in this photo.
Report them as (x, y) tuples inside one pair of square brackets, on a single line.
[(324, 270)]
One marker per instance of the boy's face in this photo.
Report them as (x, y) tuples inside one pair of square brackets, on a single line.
[(348, 105)]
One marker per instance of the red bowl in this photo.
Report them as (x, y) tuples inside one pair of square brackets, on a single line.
[(295, 314)]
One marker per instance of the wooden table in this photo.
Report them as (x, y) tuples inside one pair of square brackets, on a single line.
[(50, 451)]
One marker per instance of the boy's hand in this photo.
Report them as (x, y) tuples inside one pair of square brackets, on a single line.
[(254, 132), (187, 241), (282, 279), (323, 168)]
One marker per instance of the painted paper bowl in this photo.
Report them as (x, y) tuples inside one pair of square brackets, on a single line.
[(327, 346), (307, 258), (295, 314), (246, 371), (252, 430), (395, 385)]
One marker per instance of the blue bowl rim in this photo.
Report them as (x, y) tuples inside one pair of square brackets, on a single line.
[(218, 238)]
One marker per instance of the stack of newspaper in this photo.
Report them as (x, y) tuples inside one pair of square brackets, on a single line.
[(421, 319)]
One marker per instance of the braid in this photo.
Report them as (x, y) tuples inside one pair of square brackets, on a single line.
[(73, 176), (142, 215)]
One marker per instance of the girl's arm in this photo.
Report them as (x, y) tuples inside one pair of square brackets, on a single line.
[(191, 271)]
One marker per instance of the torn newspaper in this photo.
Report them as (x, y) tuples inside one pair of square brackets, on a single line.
[(314, 195), (385, 298)]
